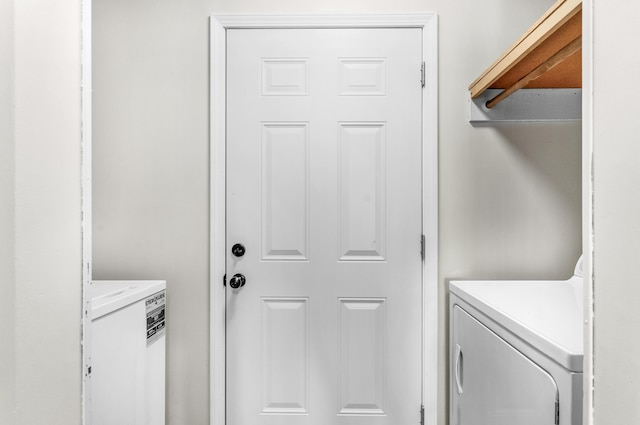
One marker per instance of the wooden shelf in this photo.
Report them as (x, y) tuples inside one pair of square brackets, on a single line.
[(543, 57)]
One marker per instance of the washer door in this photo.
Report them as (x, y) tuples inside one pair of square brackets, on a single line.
[(492, 383)]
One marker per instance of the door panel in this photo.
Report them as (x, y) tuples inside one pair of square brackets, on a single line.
[(361, 352), (324, 191), (284, 349), (285, 191), (361, 193)]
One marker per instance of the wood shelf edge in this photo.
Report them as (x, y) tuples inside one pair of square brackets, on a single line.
[(561, 12)]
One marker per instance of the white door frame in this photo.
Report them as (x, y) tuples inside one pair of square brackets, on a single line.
[(219, 24), (87, 211)]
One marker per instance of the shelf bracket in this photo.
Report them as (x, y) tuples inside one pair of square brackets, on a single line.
[(527, 105)]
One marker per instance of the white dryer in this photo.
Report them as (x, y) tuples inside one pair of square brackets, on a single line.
[(128, 352), (516, 352)]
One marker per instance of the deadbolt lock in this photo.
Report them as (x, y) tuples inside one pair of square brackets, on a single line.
[(238, 250)]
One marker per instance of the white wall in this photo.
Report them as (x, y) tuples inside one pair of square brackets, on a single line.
[(616, 214), (7, 251), (41, 147), (151, 173), (510, 195)]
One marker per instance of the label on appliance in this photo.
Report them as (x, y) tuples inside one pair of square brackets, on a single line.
[(155, 316)]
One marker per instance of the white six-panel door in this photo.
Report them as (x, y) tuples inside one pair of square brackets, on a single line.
[(324, 192)]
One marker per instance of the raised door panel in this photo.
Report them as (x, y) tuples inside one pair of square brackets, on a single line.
[(362, 191), (285, 201), (362, 356), (284, 353)]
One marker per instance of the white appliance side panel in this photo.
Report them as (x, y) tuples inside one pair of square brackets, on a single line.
[(155, 382), (155, 361), (118, 366), (492, 383)]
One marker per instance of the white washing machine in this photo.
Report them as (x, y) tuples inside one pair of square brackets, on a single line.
[(128, 352), (516, 351)]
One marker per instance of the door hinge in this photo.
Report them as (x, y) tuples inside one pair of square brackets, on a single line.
[(422, 74), (224, 280), (422, 415), (422, 247), (557, 412)]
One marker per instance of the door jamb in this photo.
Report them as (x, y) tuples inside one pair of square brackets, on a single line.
[(218, 26), (87, 211)]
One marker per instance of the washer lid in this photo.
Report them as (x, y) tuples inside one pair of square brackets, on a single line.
[(111, 295), (546, 314)]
